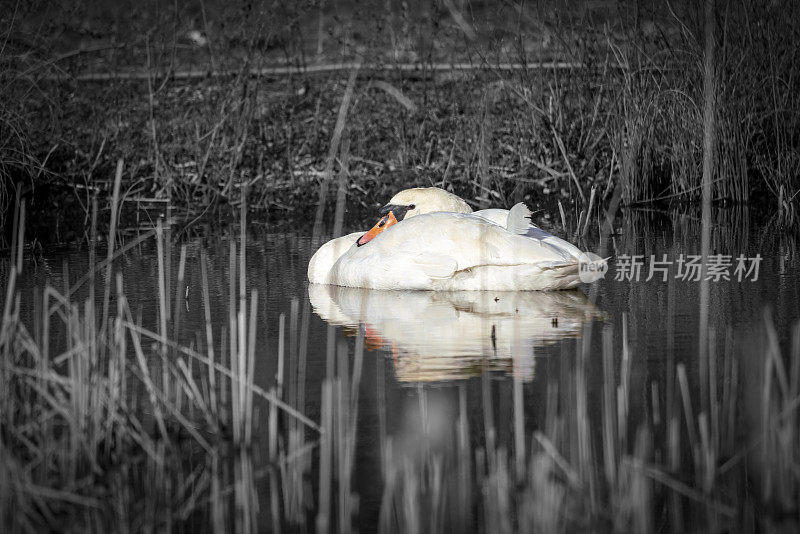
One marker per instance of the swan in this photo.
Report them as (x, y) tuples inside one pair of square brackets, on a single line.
[(430, 239)]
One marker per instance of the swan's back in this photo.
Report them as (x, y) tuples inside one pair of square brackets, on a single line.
[(453, 251)]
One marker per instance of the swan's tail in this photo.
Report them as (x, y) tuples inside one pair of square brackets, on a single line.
[(561, 270), (551, 275), (519, 219)]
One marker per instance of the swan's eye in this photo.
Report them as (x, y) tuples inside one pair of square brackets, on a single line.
[(380, 225), (412, 206)]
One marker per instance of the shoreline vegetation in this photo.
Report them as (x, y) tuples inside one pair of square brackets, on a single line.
[(567, 104)]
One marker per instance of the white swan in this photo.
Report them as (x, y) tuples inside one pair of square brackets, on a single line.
[(430, 239)]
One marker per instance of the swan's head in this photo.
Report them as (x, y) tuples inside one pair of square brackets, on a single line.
[(412, 202)]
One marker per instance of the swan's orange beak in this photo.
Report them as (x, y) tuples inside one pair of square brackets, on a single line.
[(385, 222)]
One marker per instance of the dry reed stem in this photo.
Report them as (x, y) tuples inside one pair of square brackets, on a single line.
[(112, 232), (341, 119), (235, 378)]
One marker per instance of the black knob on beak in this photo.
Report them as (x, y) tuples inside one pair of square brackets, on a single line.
[(398, 210)]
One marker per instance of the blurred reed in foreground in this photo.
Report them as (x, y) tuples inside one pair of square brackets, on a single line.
[(108, 425)]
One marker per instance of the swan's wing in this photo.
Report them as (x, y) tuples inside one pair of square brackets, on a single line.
[(557, 242), (519, 222), (495, 215), (430, 264), (439, 241)]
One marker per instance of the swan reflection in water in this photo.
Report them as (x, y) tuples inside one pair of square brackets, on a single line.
[(451, 335)]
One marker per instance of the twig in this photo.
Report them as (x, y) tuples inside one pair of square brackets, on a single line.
[(328, 68), (563, 150), (588, 211)]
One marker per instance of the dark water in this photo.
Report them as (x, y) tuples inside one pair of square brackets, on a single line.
[(447, 372)]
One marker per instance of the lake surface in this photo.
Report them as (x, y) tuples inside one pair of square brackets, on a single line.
[(450, 385)]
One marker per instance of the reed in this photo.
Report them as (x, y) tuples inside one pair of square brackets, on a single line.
[(134, 431)]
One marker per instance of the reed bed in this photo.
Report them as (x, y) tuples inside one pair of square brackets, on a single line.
[(109, 423)]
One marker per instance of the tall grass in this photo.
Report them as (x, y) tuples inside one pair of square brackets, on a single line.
[(658, 121), (108, 424)]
